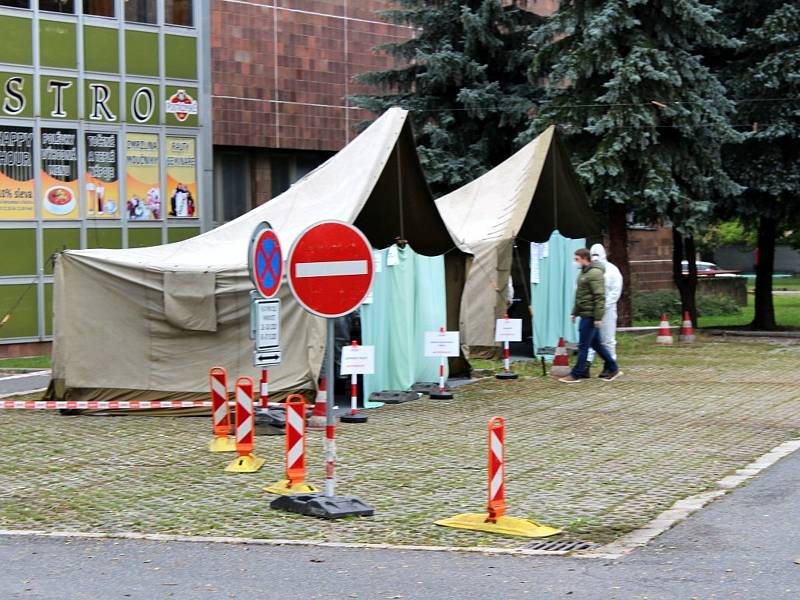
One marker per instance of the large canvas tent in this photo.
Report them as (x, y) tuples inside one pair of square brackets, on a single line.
[(527, 197), (148, 323)]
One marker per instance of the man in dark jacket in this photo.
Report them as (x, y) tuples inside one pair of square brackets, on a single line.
[(590, 304)]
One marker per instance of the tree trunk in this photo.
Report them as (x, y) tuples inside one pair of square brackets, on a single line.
[(618, 254), (686, 284), (764, 317)]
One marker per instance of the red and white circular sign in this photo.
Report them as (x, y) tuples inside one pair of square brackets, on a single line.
[(330, 268)]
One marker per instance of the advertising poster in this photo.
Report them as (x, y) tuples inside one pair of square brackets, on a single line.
[(59, 148), (16, 173), (143, 202), (181, 177), (101, 187)]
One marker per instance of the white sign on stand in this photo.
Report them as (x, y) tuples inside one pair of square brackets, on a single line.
[(442, 343), (358, 360), (508, 330)]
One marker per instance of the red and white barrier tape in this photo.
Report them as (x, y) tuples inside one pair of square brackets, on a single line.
[(102, 404)]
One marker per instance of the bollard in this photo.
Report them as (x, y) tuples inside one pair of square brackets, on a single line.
[(220, 414), (245, 425), (506, 374), (442, 393), (295, 450), (495, 519), (353, 416), (264, 389)]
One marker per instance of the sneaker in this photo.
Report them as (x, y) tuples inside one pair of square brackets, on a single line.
[(612, 376), (570, 379), (587, 374), (603, 375)]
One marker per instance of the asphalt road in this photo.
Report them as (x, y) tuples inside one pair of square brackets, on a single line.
[(742, 546), (24, 382)]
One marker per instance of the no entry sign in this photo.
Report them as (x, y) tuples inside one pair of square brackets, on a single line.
[(265, 260), (330, 268)]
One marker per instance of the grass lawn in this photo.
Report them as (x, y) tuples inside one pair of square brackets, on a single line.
[(28, 362), (790, 284)]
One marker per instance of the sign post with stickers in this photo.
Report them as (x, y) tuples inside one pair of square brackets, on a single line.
[(443, 344), (356, 360), (507, 330), (265, 263)]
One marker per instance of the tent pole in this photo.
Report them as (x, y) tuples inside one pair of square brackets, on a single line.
[(400, 187)]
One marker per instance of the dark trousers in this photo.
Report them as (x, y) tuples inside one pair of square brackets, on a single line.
[(589, 337)]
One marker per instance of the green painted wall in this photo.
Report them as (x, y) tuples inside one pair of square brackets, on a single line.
[(17, 46), (57, 44), (22, 261), (180, 56), (140, 238), (55, 240), (24, 319), (141, 53), (48, 309), (101, 49), (103, 237), (178, 234), (113, 102), (26, 91), (171, 119), (130, 90), (49, 95)]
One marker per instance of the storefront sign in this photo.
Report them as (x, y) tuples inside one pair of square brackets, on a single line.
[(143, 200), (16, 173), (59, 176), (182, 177), (102, 176)]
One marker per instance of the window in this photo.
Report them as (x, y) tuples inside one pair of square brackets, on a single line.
[(16, 3), (141, 11), (99, 8), (232, 182), (178, 12), (61, 6)]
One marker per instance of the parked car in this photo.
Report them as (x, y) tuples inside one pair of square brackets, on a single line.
[(709, 269)]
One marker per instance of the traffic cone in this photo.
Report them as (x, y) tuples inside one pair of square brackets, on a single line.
[(560, 361), (318, 418), (664, 332), (687, 331)]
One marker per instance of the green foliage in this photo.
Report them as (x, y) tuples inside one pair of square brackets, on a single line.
[(646, 118), (649, 306), (464, 78), (734, 232)]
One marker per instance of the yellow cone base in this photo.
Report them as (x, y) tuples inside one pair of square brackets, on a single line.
[(503, 526), (246, 464), (282, 488), (222, 444)]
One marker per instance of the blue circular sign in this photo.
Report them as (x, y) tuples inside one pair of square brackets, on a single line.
[(266, 261)]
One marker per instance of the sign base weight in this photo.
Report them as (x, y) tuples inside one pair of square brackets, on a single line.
[(324, 507)]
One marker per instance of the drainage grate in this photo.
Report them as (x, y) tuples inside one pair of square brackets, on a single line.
[(560, 545)]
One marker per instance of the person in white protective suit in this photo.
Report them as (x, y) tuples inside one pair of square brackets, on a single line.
[(613, 282)]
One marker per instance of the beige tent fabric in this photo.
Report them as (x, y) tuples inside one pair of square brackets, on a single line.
[(154, 320), (528, 196)]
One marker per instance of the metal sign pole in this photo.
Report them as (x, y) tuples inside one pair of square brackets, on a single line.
[(330, 423)]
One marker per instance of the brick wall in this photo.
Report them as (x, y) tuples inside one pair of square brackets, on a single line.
[(650, 254), (282, 69)]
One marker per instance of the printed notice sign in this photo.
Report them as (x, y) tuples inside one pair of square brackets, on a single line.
[(508, 330), (441, 343), (358, 360)]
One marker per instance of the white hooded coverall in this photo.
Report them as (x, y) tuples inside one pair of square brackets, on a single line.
[(613, 281)]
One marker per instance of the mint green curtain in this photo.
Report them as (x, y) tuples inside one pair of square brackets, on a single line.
[(408, 299), (554, 295)]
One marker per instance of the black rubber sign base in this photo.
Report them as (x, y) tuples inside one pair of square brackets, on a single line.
[(324, 507)]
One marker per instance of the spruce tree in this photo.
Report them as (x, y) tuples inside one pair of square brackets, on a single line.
[(763, 76), (463, 76), (644, 117)]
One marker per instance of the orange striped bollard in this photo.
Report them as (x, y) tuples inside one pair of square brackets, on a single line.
[(497, 459), (295, 450), (245, 425), (220, 415)]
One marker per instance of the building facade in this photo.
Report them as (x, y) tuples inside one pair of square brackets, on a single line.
[(104, 138)]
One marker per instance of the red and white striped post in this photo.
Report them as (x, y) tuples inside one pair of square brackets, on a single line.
[(220, 415), (245, 429), (442, 393), (506, 374), (264, 388), (353, 416), (497, 488), (295, 450)]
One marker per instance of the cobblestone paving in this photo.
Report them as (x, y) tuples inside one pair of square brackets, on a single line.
[(597, 459)]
